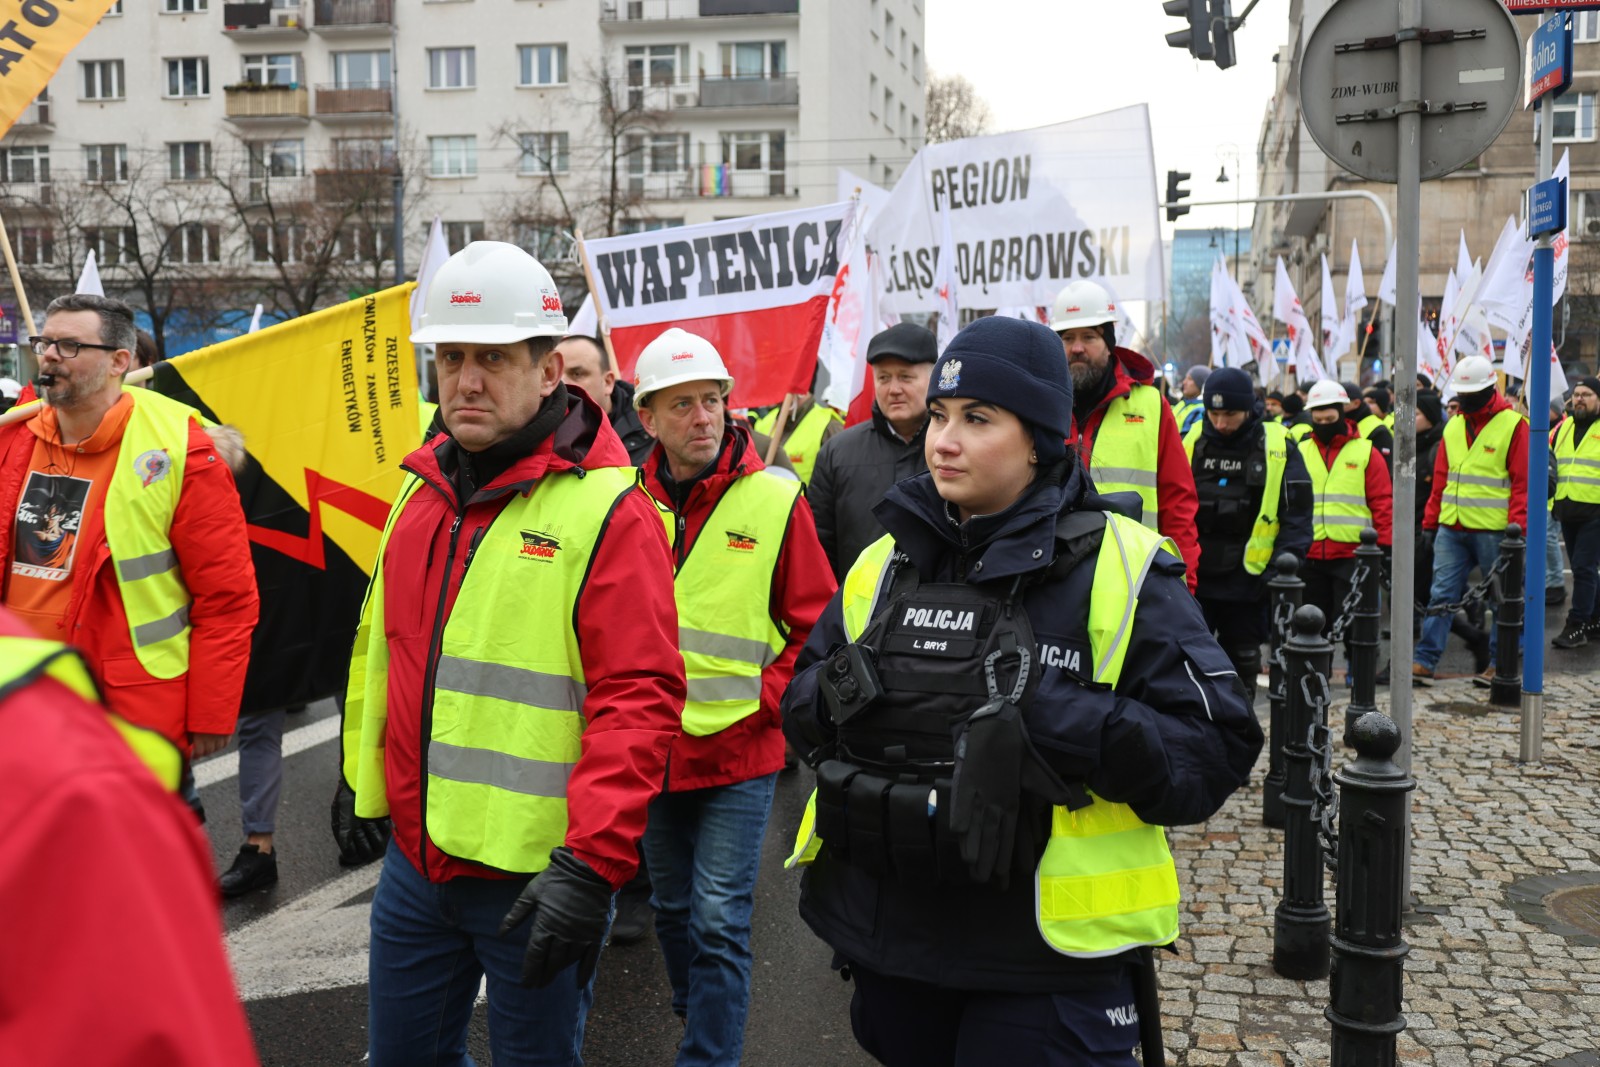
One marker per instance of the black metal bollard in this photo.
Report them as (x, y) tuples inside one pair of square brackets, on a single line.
[(1301, 921), (1286, 590), (1506, 689), (1368, 950), (1365, 623)]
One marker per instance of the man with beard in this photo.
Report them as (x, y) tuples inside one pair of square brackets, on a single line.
[(1127, 434), (1480, 484), (1255, 502), (1577, 505)]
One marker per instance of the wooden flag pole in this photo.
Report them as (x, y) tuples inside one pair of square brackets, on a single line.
[(601, 326), (29, 365), (778, 428), (1365, 341)]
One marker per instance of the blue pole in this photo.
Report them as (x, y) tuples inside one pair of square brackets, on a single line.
[(1537, 390)]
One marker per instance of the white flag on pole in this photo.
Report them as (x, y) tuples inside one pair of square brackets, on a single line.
[(944, 284), (1302, 345), (1463, 257), (89, 280), (434, 254), (1507, 286), (1386, 283), (1332, 321), (1355, 298), (255, 320), (585, 321)]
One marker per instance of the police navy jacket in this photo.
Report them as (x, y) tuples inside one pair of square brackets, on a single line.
[(1294, 523), (1173, 740)]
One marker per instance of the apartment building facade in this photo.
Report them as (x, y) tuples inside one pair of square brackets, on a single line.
[(207, 151)]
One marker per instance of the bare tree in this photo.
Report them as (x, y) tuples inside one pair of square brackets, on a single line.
[(954, 109)]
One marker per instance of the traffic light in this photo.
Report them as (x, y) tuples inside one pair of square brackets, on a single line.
[(1196, 37), (1221, 25), (1175, 193)]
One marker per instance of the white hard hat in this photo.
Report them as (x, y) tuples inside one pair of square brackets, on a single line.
[(10, 388), (491, 293), (675, 357), (1081, 304), (1473, 374), (1327, 393)]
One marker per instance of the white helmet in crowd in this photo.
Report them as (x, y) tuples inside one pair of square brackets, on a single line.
[(1325, 394), (491, 293), (1473, 374), (1081, 304), (675, 357)]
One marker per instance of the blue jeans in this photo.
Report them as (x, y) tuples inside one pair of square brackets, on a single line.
[(1455, 553), (704, 849), (1553, 567), (260, 770), (430, 946)]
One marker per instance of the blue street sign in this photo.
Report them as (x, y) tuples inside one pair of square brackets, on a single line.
[(1547, 208), (1549, 59)]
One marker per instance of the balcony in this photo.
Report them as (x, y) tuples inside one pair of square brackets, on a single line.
[(350, 186), (616, 14), (250, 103), (29, 194), (779, 90), (274, 21), (351, 17), (36, 116), (710, 181), (353, 103)]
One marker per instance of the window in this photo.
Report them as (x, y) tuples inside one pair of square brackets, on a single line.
[(755, 59), (102, 79), (760, 152), (888, 109), (916, 130), (542, 64), (902, 127), (361, 70), (277, 159), (657, 64), (35, 245), (902, 48), (181, 7), (461, 234), (1586, 26), (280, 242), (872, 96), (363, 243), (364, 153), (111, 245), (1573, 117), (195, 242), (544, 153), (116, 8), (452, 68), (25, 164), (627, 226), (453, 157), (188, 161), (1584, 223), (282, 68), (916, 62), (657, 153), (540, 241), (888, 32), (106, 162), (189, 77)]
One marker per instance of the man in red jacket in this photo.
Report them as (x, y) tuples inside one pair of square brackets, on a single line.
[(751, 580), (1480, 484), (1127, 434), (124, 534), (514, 686), (127, 977)]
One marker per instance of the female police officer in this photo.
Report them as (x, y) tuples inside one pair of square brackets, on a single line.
[(1008, 698)]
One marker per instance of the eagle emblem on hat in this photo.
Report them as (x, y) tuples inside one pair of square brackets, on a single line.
[(950, 374)]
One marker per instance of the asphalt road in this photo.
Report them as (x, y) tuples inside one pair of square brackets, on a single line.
[(299, 949)]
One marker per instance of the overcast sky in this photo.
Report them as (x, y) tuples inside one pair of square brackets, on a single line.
[(1038, 62)]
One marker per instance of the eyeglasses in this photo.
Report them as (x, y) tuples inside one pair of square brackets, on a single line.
[(68, 349)]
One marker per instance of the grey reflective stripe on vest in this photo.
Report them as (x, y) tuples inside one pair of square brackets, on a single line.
[(1343, 498), (1499, 503), (1578, 479), (1124, 475), (723, 646), (515, 684), (131, 570), (1344, 520), (1478, 479), (161, 629), (515, 774), (710, 690)]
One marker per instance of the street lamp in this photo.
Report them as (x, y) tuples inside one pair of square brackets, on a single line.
[(1224, 152)]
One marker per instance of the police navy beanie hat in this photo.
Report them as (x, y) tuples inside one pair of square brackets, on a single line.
[(1229, 389), (1012, 364)]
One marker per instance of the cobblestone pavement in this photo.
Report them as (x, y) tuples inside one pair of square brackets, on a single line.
[(1484, 984)]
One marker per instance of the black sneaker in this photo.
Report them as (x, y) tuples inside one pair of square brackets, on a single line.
[(1574, 635), (252, 869), (1554, 595)]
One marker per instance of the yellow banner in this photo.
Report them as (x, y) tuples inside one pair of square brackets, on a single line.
[(35, 36)]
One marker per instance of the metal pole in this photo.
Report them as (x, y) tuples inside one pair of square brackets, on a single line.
[(1287, 590), (1364, 636), (1536, 390), (1510, 619), (1331, 194), (399, 176), (1300, 922)]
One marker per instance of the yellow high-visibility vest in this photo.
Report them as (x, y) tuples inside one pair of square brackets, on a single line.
[(141, 500), (1264, 533), (724, 592), (1106, 882), (507, 722), (1367, 426), (1477, 490), (1340, 512), (1127, 448), (1577, 466), (804, 438)]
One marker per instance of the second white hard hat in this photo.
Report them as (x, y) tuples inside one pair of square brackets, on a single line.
[(677, 356), (490, 293), (1473, 374), (1081, 304), (1325, 394)]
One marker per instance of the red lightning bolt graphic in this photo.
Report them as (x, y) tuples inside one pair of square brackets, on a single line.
[(319, 491)]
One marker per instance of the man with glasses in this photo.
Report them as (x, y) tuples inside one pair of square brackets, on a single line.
[(124, 534)]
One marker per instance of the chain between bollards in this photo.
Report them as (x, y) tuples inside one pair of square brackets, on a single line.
[(1365, 632), (1287, 592), (1506, 688), (1301, 922)]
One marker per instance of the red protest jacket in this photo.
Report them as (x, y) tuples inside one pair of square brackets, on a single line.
[(627, 625), (1380, 496), (802, 585), (1516, 465), (213, 548), (1177, 502)]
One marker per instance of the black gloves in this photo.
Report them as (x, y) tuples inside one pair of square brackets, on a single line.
[(570, 905), (360, 840), (986, 792), (1428, 538)]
